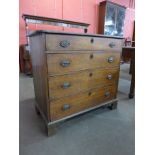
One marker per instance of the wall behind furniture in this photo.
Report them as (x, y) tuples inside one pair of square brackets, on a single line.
[(76, 10)]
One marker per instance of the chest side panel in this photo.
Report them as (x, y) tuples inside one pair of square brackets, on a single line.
[(39, 65)]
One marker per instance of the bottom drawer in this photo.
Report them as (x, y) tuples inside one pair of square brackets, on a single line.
[(70, 105)]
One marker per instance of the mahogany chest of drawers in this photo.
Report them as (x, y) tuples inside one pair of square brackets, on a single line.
[(73, 73)]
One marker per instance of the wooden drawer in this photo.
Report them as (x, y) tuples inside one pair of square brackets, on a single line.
[(65, 63), (76, 103), (69, 42), (65, 85)]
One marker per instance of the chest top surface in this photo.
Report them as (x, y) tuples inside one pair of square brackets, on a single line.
[(38, 32)]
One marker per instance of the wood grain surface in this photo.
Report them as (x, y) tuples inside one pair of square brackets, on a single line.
[(65, 85), (73, 104), (82, 43), (79, 62)]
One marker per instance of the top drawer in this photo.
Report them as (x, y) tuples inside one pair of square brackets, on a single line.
[(69, 42)]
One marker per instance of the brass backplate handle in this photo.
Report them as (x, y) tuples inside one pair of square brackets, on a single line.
[(66, 85), (66, 107), (110, 59), (107, 94), (64, 43), (109, 76), (112, 45), (65, 63)]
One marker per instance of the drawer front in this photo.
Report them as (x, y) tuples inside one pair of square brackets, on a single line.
[(69, 42), (65, 63), (65, 85), (82, 101)]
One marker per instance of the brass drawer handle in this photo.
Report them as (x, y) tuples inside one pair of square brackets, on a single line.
[(107, 94), (64, 43), (110, 59), (66, 107), (109, 76), (112, 45), (65, 63), (66, 85)]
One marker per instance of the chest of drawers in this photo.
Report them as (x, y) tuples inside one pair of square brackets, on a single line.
[(73, 73)]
